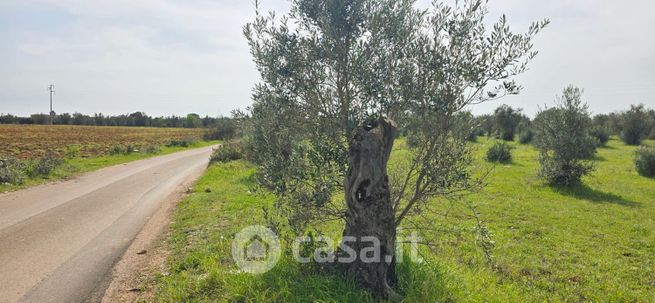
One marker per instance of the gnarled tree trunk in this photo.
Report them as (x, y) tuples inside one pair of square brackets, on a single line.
[(370, 213)]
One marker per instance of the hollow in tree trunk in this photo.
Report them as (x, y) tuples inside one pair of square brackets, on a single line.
[(370, 213)]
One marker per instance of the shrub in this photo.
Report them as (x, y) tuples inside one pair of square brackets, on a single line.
[(44, 166), (563, 136), (525, 132), (11, 171), (117, 150), (499, 152), (645, 161), (184, 142), (73, 151), (223, 129), (601, 134), (635, 125), (151, 149), (526, 136), (229, 151)]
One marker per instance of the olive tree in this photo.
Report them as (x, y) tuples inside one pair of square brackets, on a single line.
[(636, 125), (565, 141), (338, 77), (507, 119)]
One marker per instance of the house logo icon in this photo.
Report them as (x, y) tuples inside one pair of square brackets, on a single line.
[(256, 249)]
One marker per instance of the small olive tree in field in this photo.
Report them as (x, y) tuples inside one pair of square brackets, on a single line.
[(507, 119), (337, 77), (636, 125), (564, 139)]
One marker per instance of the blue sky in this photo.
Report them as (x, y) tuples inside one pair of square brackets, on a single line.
[(179, 56)]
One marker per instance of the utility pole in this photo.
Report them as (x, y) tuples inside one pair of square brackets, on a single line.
[(51, 89)]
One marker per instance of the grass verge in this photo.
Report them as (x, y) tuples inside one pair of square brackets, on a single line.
[(78, 165)]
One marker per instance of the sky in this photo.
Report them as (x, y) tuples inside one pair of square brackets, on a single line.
[(168, 57)]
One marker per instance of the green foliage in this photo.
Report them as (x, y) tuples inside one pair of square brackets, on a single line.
[(543, 237), (11, 171), (464, 126), (330, 66), (193, 121), (224, 129), (636, 125), (121, 149), (43, 167), (486, 125), (507, 119), (645, 161), (601, 134), (73, 150), (564, 140), (525, 132), (117, 150), (152, 149), (184, 142), (228, 151), (500, 152)]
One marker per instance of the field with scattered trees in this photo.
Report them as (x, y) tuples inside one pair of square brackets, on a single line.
[(360, 134)]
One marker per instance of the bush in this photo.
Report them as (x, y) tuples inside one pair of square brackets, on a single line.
[(601, 134), (563, 136), (11, 171), (185, 142), (526, 136), (229, 151), (117, 150), (72, 151), (525, 132), (499, 152), (635, 125), (151, 149), (224, 129), (645, 161), (44, 166)]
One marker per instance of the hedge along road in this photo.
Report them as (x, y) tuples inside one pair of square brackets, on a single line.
[(58, 242)]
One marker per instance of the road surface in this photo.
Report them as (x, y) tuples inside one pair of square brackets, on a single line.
[(58, 242)]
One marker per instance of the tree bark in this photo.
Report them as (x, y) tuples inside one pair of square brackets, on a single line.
[(370, 212)]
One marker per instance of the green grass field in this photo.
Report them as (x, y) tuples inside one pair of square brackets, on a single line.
[(594, 242), (78, 165)]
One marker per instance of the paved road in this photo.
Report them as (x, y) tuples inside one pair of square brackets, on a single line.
[(58, 242)]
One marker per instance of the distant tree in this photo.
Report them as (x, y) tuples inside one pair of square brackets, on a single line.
[(464, 126), (636, 125), (525, 132), (224, 128), (507, 119), (563, 136), (64, 119), (8, 119), (99, 120), (336, 74), (192, 121), (139, 119), (486, 124)]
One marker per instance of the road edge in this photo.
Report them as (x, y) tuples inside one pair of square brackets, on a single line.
[(146, 256)]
